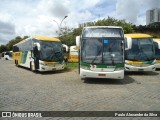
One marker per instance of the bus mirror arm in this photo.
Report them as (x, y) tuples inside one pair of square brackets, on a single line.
[(78, 41), (38, 46), (129, 43)]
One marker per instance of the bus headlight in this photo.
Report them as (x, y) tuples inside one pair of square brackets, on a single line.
[(127, 62), (154, 62), (41, 63), (121, 68), (84, 67)]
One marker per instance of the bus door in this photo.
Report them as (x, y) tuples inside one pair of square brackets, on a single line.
[(36, 57)]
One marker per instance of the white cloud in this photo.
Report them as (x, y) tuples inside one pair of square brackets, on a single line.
[(7, 31), (36, 17), (128, 9), (135, 10)]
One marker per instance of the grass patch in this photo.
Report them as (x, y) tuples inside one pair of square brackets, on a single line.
[(72, 66)]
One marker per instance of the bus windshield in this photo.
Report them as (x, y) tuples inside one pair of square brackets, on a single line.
[(106, 51), (142, 50), (51, 51)]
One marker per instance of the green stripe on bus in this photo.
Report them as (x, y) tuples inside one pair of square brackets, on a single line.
[(148, 62), (24, 56), (120, 65)]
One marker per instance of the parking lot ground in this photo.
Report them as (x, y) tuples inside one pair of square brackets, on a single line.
[(23, 90)]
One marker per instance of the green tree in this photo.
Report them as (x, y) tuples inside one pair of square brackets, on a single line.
[(3, 48), (14, 41), (70, 37)]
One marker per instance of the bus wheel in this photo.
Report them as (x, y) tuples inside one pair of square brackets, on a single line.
[(16, 62), (31, 66), (82, 78)]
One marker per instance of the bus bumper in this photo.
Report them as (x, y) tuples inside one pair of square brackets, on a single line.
[(93, 74), (51, 68), (135, 68), (157, 65)]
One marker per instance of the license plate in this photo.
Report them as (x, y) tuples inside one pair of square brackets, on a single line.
[(140, 70), (101, 74)]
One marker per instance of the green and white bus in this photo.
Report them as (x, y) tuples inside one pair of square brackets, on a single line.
[(139, 52), (101, 52), (39, 53)]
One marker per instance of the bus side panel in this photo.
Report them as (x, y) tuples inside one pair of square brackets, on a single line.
[(24, 56), (26, 59)]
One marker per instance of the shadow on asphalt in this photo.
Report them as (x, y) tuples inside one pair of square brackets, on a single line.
[(126, 80), (46, 72), (54, 72), (150, 73)]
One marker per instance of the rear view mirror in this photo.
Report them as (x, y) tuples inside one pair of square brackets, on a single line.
[(156, 43), (128, 43), (65, 48), (38, 46), (78, 41)]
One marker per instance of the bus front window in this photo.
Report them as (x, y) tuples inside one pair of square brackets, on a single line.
[(113, 52), (92, 50), (142, 49), (98, 51), (51, 51)]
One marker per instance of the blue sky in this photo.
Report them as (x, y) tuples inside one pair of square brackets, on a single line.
[(35, 17)]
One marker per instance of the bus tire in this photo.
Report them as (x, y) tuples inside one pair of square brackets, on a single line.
[(82, 78), (31, 67), (16, 62)]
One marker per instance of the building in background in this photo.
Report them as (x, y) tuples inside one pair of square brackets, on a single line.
[(152, 16)]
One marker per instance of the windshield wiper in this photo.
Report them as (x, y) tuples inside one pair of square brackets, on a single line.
[(96, 56), (144, 53), (111, 54), (55, 52), (56, 55)]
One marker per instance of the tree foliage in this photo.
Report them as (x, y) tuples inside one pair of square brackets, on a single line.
[(69, 39), (3, 48), (152, 29), (9, 45), (68, 35)]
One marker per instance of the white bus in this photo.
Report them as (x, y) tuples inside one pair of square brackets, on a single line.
[(157, 51), (39, 53), (8, 55), (139, 52), (101, 52)]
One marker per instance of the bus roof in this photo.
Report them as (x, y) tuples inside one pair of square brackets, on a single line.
[(18, 43), (103, 27), (137, 35), (44, 38)]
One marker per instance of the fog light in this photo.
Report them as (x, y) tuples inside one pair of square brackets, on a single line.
[(126, 68), (42, 68)]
